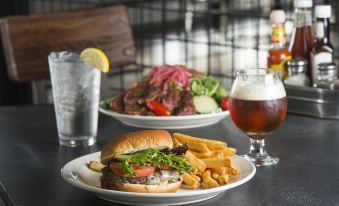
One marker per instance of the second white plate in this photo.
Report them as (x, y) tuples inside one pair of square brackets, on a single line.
[(77, 174), (171, 122)]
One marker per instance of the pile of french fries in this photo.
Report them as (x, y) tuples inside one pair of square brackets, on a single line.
[(211, 161)]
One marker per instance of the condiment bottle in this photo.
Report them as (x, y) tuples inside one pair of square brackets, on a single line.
[(327, 75), (322, 51), (302, 37), (278, 54), (297, 73)]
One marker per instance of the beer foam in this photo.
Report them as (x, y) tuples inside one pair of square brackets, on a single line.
[(258, 90)]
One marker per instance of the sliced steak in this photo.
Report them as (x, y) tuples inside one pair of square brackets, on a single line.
[(186, 106), (117, 104), (171, 99)]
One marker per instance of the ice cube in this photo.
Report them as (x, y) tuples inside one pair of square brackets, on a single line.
[(65, 56)]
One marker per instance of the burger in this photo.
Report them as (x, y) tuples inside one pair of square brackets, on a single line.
[(143, 161)]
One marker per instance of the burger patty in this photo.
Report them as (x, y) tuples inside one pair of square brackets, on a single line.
[(109, 178)]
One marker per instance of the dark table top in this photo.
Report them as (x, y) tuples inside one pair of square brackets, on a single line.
[(31, 159)]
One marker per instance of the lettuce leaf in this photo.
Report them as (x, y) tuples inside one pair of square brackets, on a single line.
[(209, 86), (152, 157)]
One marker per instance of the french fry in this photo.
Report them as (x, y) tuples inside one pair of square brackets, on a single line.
[(235, 176), (208, 181), (196, 177), (217, 162), (211, 144), (215, 175), (202, 155), (189, 180), (177, 142), (196, 171), (231, 171), (220, 170), (189, 156), (223, 179), (95, 166), (229, 151), (197, 146), (218, 154), (210, 154), (196, 162)]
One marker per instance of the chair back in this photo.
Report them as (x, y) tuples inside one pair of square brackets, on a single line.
[(28, 39)]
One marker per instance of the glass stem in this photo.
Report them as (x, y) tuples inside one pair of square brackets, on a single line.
[(257, 148)]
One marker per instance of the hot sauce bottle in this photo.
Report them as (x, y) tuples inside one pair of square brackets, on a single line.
[(278, 54), (322, 51), (302, 38)]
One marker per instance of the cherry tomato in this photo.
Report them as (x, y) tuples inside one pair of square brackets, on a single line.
[(225, 103), (158, 108)]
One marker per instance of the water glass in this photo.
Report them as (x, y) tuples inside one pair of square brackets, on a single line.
[(76, 91)]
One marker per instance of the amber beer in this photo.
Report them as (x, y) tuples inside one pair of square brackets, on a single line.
[(258, 118), (258, 106)]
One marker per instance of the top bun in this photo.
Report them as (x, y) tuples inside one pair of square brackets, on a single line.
[(135, 141)]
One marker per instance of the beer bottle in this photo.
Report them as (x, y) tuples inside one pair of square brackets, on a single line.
[(322, 51), (278, 54), (302, 37)]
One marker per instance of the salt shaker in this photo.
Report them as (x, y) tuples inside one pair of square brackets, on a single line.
[(327, 75), (297, 73)]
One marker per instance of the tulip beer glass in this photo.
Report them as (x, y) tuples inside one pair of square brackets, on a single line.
[(258, 106)]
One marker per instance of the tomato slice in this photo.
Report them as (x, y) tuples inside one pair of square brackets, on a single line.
[(163, 166), (158, 108), (140, 171), (115, 169), (144, 171)]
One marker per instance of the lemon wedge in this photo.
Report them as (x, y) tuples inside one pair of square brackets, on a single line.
[(96, 59)]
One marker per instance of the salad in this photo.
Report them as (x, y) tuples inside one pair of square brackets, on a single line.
[(171, 90)]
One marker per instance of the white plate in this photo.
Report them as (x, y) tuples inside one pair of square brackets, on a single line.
[(76, 173), (171, 122)]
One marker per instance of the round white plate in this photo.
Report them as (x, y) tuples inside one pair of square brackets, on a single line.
[(76, 173), (171, 122)]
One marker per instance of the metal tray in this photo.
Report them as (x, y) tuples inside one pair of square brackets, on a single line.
[(315, 102)]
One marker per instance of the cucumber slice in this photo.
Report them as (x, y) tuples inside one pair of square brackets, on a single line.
[(204, 104)]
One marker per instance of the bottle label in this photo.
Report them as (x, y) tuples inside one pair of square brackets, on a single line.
[(278, 35), (322, 57), (319, 30), (281, 68)]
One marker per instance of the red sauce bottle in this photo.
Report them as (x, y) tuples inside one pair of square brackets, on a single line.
[(302, 38)]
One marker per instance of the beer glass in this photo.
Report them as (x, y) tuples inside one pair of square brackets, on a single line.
[(258, 106)]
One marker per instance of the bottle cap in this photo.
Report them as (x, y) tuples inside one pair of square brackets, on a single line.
[(296, 66), (278, 16), (322, 11), (303, 3)]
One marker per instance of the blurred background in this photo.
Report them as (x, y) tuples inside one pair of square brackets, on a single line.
[(214, 36)]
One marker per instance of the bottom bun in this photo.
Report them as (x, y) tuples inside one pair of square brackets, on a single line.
[(160, 188)]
